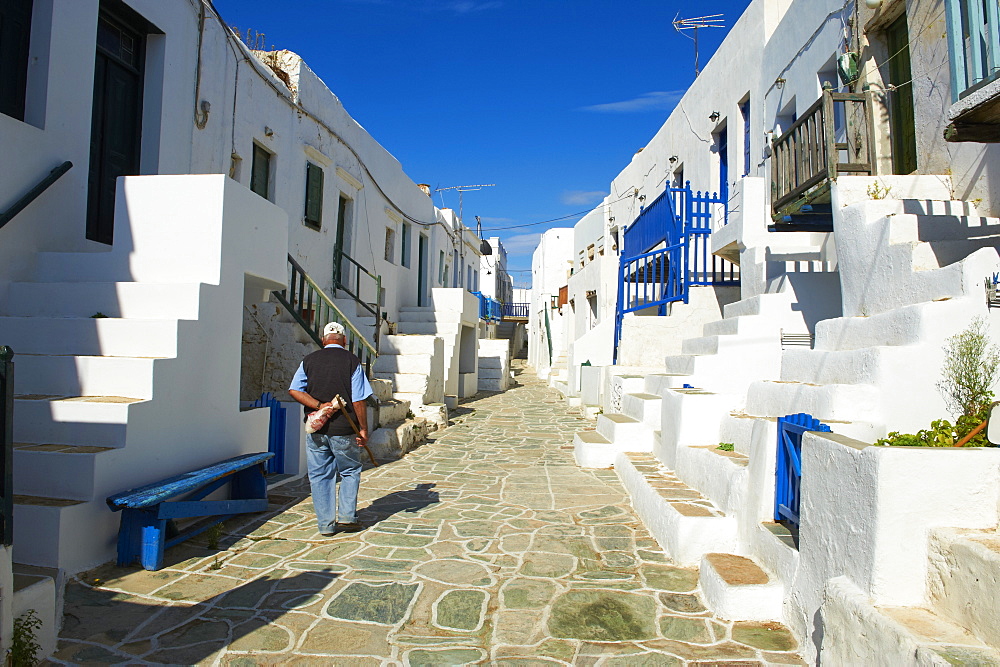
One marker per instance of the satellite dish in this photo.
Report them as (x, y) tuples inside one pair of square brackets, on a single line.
[(485, 248)]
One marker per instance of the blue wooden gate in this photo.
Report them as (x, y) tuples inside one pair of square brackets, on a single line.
[(788, 469), (275, 431)]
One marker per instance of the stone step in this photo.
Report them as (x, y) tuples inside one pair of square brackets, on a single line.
[(382, 389), (656, 383), (96, 421), (619, 428), (908, 227), (938, 254), (901, 326), (66, 471), (857, 632), (392, 411), (643, 407), (80, 267), (429, 328), (960, 562), (701, 345), (35, 589), (83, 375), (393, 441), (761, 304), (836, 402), (411, 344), (60, 532), (178, 301), (871, 365), (684, 523), (407, 383), (737, 588), (106, 337), (403, 363), (593, 450)]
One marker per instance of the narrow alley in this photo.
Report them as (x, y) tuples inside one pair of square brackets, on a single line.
[(486, 545)]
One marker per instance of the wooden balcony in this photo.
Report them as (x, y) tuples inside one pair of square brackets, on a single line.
[(834, 136)]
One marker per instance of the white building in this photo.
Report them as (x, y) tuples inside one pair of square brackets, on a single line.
[(140, 309), (852, 272)]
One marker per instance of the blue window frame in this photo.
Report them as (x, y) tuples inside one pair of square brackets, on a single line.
[(974, 43)]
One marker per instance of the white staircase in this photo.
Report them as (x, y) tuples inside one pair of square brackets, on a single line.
[(635, 429), (127, 362)]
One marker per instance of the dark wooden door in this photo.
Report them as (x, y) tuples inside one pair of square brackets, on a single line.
[(902, 131), (421, 270), (116, 121), (15, 30)]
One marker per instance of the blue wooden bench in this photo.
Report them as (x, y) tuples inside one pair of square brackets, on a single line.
[(145, 511)]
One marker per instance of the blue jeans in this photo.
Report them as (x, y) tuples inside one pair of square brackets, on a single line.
[(329, 457)]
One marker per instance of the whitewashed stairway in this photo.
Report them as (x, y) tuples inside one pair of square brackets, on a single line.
[(148, 389)]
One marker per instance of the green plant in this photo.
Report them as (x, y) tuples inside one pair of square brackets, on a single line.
[(213, 534), (726, 446), (970, 369), (876, 191), (942, 433), (409, 414), (98, 315), (24, 646)]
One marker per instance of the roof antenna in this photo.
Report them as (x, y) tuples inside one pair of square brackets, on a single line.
[(710, 21)]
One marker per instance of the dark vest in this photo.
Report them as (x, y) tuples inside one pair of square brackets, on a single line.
[(328, 373)]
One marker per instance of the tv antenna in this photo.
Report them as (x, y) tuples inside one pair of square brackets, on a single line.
[(710, 21), (461, 189)]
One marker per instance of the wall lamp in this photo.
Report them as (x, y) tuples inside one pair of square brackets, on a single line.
[(673, 158), (642, 197), (779, 83), (873, 4), (715, 115)]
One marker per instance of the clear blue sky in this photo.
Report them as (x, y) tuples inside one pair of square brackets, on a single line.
[(549, 100)]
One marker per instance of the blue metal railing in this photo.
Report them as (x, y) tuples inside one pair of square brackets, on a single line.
[(788, 469), (516, 310), (681, 221), (490, 310), (275, 431)]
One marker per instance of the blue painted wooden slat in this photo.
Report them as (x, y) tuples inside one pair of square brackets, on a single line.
[(195, 530), (151, 494), (788, 466), (184, 509)]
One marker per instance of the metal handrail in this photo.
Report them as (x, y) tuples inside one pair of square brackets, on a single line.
[(310, 306), (358, 270), (34, 192), (7, 445)]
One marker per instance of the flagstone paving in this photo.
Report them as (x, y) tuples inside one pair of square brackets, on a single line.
[(487, 545)]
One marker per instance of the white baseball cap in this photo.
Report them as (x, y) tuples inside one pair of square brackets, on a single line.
[(334, 329)]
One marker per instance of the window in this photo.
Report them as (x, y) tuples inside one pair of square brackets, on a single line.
[(390, 245), (442, 269), (404, 245), (260, 173), (314, 196), (974, 44), (15, 30), (745, 112)]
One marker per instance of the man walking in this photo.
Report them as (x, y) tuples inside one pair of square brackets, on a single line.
[(334, 450)]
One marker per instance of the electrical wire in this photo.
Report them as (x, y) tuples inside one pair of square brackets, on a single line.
[(631, 193), (248, 57)]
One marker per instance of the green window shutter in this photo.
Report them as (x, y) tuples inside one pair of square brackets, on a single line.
[(260, 173), (15, 29), (314, 196)]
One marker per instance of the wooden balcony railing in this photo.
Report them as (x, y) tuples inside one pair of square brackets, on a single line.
[(834, 136)]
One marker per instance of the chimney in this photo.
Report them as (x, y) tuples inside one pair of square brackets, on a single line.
[(425, 187)]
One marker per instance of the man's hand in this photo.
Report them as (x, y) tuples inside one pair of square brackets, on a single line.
[(362, 437)]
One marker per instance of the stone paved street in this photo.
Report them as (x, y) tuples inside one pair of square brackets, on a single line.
[(486, 545)]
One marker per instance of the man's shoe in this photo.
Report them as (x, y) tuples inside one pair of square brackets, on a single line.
[(327, 534), (354, 527)]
